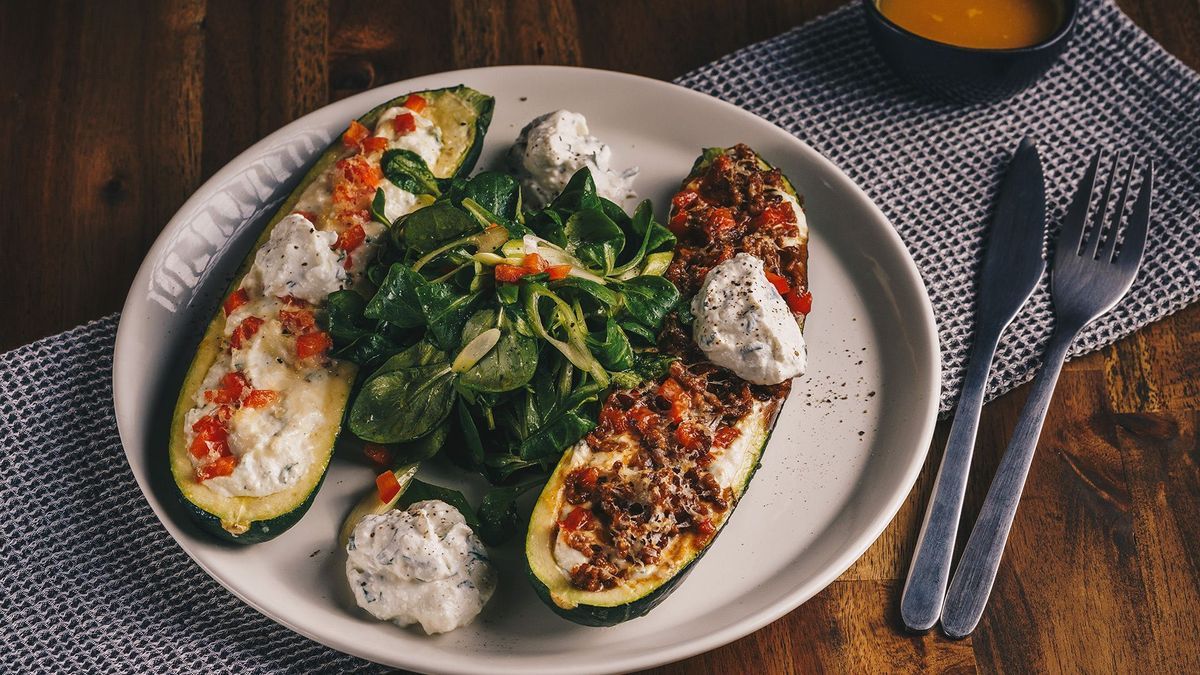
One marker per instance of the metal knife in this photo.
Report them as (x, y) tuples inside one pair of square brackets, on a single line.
[(1012, 266)]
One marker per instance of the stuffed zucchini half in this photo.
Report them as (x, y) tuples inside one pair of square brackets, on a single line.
[(630, 509), (261, 406)]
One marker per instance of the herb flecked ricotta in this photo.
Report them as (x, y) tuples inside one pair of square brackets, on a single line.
[(297, 260), (742, 323), (423, 565), (553, 147)]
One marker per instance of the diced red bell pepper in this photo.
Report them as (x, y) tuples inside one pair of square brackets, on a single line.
[(387, 485), (375, 144), (261, 398), (222, 466), (720, 220), (354, 134), (404, 123), (578, 519), (678, 224), (510, 273), (210, 438), (313, 344), (235, 300), (705, 528), (297, 322), (673, 392), (350, 238), (293, 301), (415, 103), (778, 282), (643, 419), (725, 436), (773, 215), (689, 435), (233, 386), (377, 454), (587, 477), (559, 272), (244, 331), (534, 263), (799, 303), (683, 199)]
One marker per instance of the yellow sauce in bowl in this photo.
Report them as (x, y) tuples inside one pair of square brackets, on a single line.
[(978, 24)]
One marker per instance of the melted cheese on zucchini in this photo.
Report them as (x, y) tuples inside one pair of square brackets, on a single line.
[(273, 438)]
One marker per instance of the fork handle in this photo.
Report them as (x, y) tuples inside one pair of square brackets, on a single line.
[(925, 587), (972, 582)]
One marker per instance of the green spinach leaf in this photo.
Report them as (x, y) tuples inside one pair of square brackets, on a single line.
[(423, 448), (594, 239), (578, 194), (648, 299), (428, 228), (446, 312), (396, 300), (378, 207), (498, 519), (402, 405), (611, 347), (420, 491), (407, 171), (508, 365)]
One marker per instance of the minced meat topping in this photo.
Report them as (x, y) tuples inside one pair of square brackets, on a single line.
[(649, 484)]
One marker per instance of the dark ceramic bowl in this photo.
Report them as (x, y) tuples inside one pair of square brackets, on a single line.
[(964, 74)]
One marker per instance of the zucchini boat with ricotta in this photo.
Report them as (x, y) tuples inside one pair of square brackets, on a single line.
[(262, 403), (633, 506)]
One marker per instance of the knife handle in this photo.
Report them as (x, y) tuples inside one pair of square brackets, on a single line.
[(976, 572), (925, 588)]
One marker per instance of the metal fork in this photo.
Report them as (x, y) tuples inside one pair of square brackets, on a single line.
[(1089, 276)]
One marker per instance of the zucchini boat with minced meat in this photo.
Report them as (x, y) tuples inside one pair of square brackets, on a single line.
[(632, 507), (262, 403)]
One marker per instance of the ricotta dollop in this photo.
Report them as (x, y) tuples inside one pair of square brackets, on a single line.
[(742, 323), (423, 565), (553, 147), (425, 139), (297, 260)]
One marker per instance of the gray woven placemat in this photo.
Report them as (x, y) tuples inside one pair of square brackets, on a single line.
[(933, 167), (91, 582)]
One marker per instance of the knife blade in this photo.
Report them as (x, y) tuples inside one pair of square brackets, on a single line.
[(1012, 266)]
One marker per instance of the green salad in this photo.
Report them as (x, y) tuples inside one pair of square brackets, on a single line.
[(493, 334)]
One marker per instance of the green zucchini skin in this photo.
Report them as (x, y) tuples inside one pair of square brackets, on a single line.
[(606, 615), (220, 522)]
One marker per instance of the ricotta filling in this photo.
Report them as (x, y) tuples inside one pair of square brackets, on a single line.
[(421, 566), (551, 148), (742, 323), (298, 260), (276, 444), (425, 140)]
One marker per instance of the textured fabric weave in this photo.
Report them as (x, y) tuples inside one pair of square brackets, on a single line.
[(933, 167), (91, 582), (89, 579)]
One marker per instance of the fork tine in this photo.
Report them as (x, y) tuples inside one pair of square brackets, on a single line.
[(1139, 222), (1122, 205), (1098, 223), (1076, 216)]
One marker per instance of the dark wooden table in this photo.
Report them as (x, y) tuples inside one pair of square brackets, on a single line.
[(112, 113)]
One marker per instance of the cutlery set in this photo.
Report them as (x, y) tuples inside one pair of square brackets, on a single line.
[(1096, 258)]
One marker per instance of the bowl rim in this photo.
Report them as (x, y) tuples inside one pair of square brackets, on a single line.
[(1065, 28)]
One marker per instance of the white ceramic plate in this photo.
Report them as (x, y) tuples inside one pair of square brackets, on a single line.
[(846, 451)]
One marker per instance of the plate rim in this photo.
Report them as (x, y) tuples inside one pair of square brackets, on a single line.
[(713, 640)]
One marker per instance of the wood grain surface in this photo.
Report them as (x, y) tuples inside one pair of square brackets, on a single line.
[(112, 113)]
